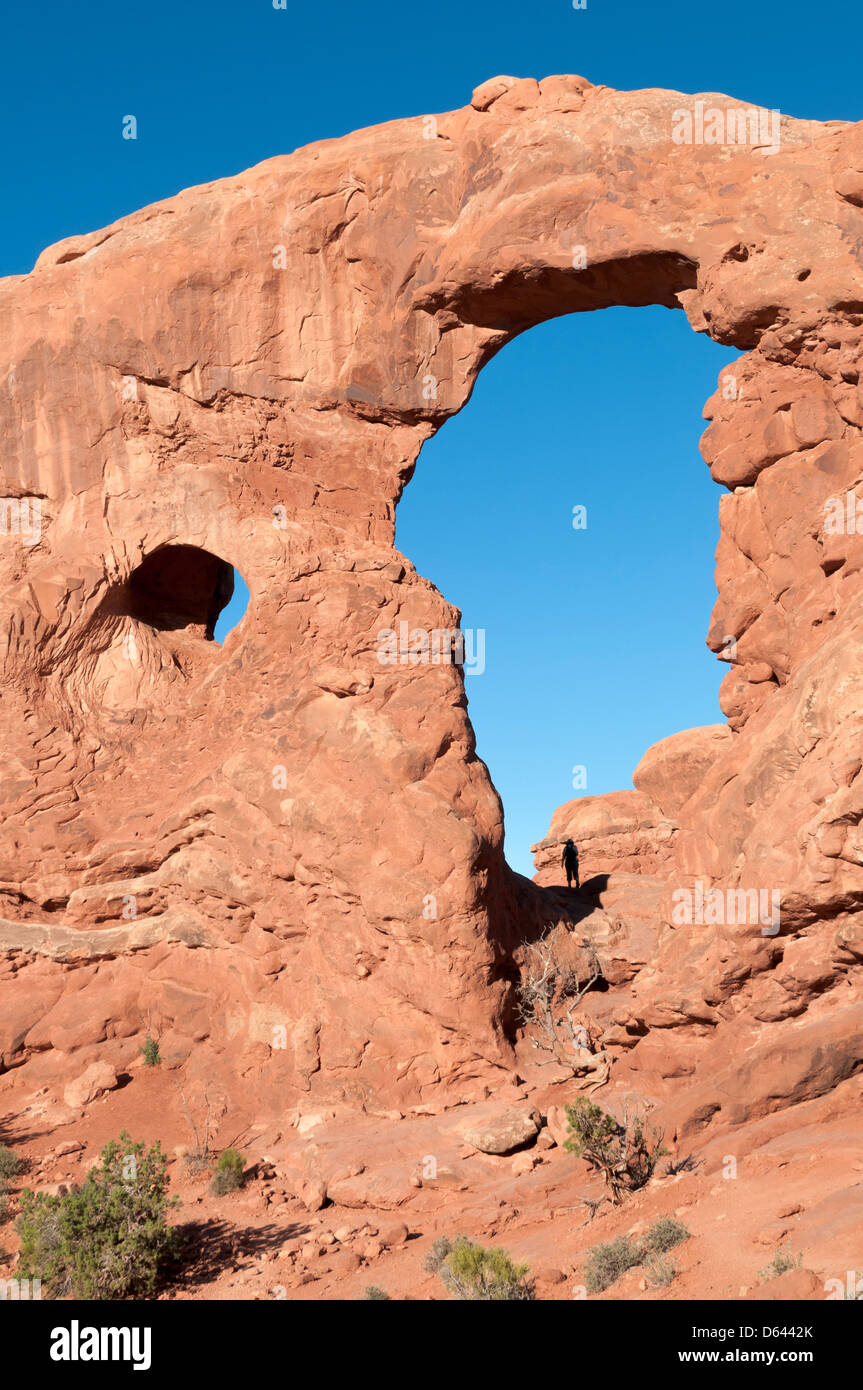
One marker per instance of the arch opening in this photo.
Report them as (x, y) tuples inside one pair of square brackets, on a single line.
[(179, 587), (234, 610), (594, 638)]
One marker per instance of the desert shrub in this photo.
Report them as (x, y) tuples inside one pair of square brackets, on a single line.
[(107, 1238), (436, 1256), (198, 1162), (549, 993), (10, 1163), (473, 1273), (782, 1261), (688, 1164), (664, 1234), (605, 1263), (376, 1295), (150, 1053), (659, 1271), (229, 1172), (201, 1158), (626, 1154)]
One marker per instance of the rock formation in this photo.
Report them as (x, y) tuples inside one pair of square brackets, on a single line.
[(283, 856), (621, 832)]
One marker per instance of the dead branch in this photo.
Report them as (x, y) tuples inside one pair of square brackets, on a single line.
[(548, 996)]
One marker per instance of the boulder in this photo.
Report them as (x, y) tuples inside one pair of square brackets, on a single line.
[(504, 1130), (99, 1078), (674, 768)]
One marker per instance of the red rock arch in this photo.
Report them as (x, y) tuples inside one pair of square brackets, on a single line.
[(305, 807)]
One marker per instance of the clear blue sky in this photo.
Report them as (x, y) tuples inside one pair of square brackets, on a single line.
[(595, 639)]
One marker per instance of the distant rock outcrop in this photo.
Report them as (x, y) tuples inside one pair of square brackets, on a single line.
[(621, 832)]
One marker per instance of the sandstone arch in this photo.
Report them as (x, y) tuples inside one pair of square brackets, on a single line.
[(288, 339)]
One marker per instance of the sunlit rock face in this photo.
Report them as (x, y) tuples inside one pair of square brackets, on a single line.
[(283, 853)]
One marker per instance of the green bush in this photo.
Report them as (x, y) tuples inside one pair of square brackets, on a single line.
[(10, 1164), (107, 1238), (626, 1154), (607, 1262), (376, 1295), (150, 1053), (664, 1234), (229, 1173), (473, 1273)]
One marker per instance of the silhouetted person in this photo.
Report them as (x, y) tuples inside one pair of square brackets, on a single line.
[(569, 860)]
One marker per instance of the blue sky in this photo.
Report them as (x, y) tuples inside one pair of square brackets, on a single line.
[(594, 639)]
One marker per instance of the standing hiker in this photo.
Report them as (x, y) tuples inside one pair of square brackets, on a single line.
[(569, 860)]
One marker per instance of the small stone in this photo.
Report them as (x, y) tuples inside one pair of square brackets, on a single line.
[(92, 1083), (396, 1234), (312, 1193), (524, 1163)]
